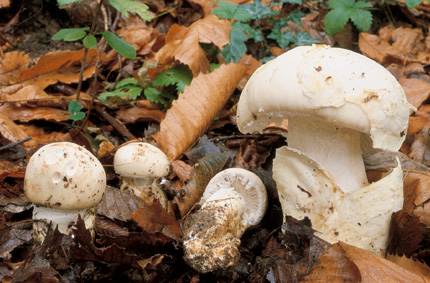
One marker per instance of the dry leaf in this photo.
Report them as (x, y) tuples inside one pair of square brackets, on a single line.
[(406, 233), (417, 90), (10, 130), (410, 264), (417, 194), (345, 263), (183, 44), (26, 114), (12, 64), (194, 111), (152, 218), (135, 114)]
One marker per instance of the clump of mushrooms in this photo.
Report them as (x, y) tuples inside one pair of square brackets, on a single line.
[(63, 180), (338, 104), (141, 166), (233, 200)]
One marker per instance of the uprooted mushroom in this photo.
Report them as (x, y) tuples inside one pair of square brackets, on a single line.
[(338, 104)]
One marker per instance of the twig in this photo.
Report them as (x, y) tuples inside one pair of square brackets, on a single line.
[(12, 144), (117, 125)]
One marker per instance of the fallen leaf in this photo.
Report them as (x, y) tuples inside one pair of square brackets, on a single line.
[(417, 195), (152, 218), (406, 233), (12, 64), (136, 114), (26, 113), (195, 109), (10, 130), (345, 263), (417, 90), (183, 44)]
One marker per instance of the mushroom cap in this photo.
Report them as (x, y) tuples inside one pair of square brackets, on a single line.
[(64, 175), (334, 84), (246, 184), (141, 160)]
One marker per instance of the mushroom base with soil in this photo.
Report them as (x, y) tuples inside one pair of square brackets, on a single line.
[(63, 219)]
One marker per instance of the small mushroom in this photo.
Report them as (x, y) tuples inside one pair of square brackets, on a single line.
[(63, 180), (338, 104), (234, 199), (141, 165)]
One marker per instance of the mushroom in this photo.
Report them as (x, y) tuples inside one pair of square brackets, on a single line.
[(63, 180), (141, 165), (338, 104), (234, 199)]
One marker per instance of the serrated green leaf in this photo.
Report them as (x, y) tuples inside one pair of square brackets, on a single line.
[(362, 5), (154, 95), (413, 3), (334, 4), (67, 2), (90, 41), (300, 2), (258, 11), (233, 52), (126, 81), (255, 34), (362, 19), (303, 38), (62, 33), (179, 75), (295, 16), (75, 111), (335, 20), (122, 47), (286, 39), (134, 7)]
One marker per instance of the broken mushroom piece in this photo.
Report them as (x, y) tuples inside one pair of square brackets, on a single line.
[(233, 200), (63, 180), (338, 103), (141, 165)]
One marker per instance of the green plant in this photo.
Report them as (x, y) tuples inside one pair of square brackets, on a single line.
[(88, 36), (247, 25), (357, 11)]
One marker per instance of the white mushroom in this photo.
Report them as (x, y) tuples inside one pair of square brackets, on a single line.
[(334, 99), (233, 200), (141, 165), (63, 180)]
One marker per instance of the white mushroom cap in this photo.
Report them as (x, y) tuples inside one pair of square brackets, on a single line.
[(247, 185), (141, 160), (64, 175), (333, 84)]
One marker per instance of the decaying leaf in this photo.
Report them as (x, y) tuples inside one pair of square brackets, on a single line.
[(194, 111), (417, 194), (406, 233), (205, 169), (345, 263)]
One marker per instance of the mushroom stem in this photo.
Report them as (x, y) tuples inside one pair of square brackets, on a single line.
[(336, 149)]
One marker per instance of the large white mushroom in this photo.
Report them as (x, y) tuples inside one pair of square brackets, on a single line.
[(141, 165), (63, 180), (233, 200), (338, 103)]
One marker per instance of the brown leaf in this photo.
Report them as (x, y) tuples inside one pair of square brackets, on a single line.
[(117, 205), (417, 194), (345, 263), (10, 130), (410, 264), (194, 111), (12, 64), (135, 114), (152, 218), (406, 232), (26, 114), (183, 45), (204, 170), (417, 90)]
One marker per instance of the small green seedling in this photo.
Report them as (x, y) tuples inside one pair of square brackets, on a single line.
[(75, 109)]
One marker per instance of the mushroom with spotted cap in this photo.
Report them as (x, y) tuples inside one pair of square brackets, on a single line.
[(141, 165), (234, 199), (338, 103), (63, 180)]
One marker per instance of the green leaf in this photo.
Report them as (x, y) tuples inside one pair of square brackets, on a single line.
[(303, 38), (413, 3), (362, 5), (156, 96), (67, 2), (362, 19), (295, 16), (122, 47), (179, 75), (75, 110), (62, 33), (125, 82), (90, 41), (333, 4), (300, 2), (267, 59), (258, 11), (255, 34), (134, 7), (234, 51), (227, 10), (335, 20)]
